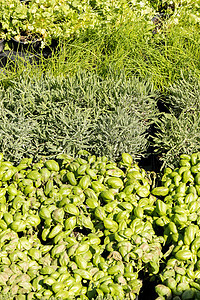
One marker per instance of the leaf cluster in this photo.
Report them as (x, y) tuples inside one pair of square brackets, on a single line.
[(13, 18), (60, 20), (46, 116), (176, 135), (126, 43), (178, 131), (184, 95)]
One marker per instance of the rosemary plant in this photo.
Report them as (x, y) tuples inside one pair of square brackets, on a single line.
[(46, 115), (185, 95), (176, 135)]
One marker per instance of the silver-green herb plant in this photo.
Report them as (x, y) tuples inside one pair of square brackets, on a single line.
[(176, 135), (47, 115), (184, 95)]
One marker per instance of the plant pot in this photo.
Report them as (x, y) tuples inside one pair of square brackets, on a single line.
[(26, 1), (16, 58), (47, 50), (23, 46), (2, 44), (3, 60)]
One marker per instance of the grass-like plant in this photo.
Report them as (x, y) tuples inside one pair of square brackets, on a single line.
[(130, 45)]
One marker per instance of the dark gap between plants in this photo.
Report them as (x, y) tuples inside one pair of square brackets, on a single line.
[(162, 104), (147, 290), (152, 162)]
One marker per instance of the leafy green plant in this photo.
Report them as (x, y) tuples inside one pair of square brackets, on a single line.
[(91, 90), (132, 48), (85, 111), (184, 95), (13, 18), (119, 131), (174, 8), (176, 135), (126, 43), (60, 20)]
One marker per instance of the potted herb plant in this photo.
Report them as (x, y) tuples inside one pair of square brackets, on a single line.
[(15, 27), (22, 36), (4, 24)]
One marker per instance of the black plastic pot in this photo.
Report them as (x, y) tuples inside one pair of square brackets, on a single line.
[(47, 50), (3, 59), (13, 57), (20, 46), (2, 44), (25, 1)]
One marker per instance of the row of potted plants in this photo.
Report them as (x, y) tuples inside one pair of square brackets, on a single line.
[(42, 22)]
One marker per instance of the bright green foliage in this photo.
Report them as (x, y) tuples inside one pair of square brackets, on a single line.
[(177, 218), (54, 20), (122, 38), (95, 238), (54, 243), (13, 18)]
